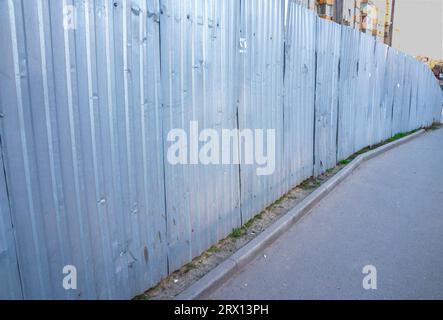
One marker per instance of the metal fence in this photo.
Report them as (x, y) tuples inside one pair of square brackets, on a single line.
[(86, 112)]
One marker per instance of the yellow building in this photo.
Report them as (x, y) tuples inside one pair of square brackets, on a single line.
[(368, 15)]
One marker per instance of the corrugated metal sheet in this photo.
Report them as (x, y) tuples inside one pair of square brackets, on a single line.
[(299, 95), (326, 95), (384, 119), (82, 142), (414, 71), (399, 93), (261, 95), (365, 86), (199, 47), (85, 115), (380, 115), (10, 287), (349, 96)]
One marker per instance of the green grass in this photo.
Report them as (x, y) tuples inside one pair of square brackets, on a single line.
[(345, 162), (213, 249), (240, 232), (237, 233), (398, 136)]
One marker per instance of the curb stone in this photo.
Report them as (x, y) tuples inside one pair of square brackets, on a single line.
[(218, 275)]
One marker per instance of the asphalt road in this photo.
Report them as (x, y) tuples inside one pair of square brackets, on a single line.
[(388, 214)]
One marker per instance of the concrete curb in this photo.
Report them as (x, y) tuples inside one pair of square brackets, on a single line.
[(246, 254)]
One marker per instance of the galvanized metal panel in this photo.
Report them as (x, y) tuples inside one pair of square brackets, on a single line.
[(326, 96), (415, 69), (261, 96), (380, 114), (365, 89), (391, 85), (398, 105), (10, 288), (405, 97), (367, 77), (421, 96), (384, 85), (299, 103), (348, 92), (199, 45), (82, 145), (9, 274), (410, 86)]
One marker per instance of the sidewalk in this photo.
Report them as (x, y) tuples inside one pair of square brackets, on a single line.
[(388, 213)]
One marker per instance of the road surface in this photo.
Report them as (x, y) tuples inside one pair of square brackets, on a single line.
[(387, 214)]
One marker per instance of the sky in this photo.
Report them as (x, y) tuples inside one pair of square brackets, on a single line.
[(419, 27)]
